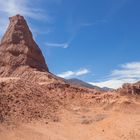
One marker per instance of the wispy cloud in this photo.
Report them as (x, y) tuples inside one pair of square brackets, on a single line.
[(24, 7), (70, 74), (57, 45), (129, 70), (116, 7), (127, 73), (86, 24)]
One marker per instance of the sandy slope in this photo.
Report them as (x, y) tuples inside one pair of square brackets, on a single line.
[(80, 124), (80, 116)]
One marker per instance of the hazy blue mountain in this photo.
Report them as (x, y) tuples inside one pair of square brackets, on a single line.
[(81, 83)]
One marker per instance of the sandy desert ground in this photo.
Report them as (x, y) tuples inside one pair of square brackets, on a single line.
[(80, 123)]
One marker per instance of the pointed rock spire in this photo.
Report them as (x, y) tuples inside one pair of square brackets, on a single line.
[(18, 47)]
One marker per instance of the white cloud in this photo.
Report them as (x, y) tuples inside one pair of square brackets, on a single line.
[(70, 74), (129, 70), (113, 83), (127, 73), (57, 45)]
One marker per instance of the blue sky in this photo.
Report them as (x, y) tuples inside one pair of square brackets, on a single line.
[(97, 41)]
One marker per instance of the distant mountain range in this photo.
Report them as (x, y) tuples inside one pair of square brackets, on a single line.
[(81, 83)]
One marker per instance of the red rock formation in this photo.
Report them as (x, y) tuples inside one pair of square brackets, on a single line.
[(18, 48), (130, 88)]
